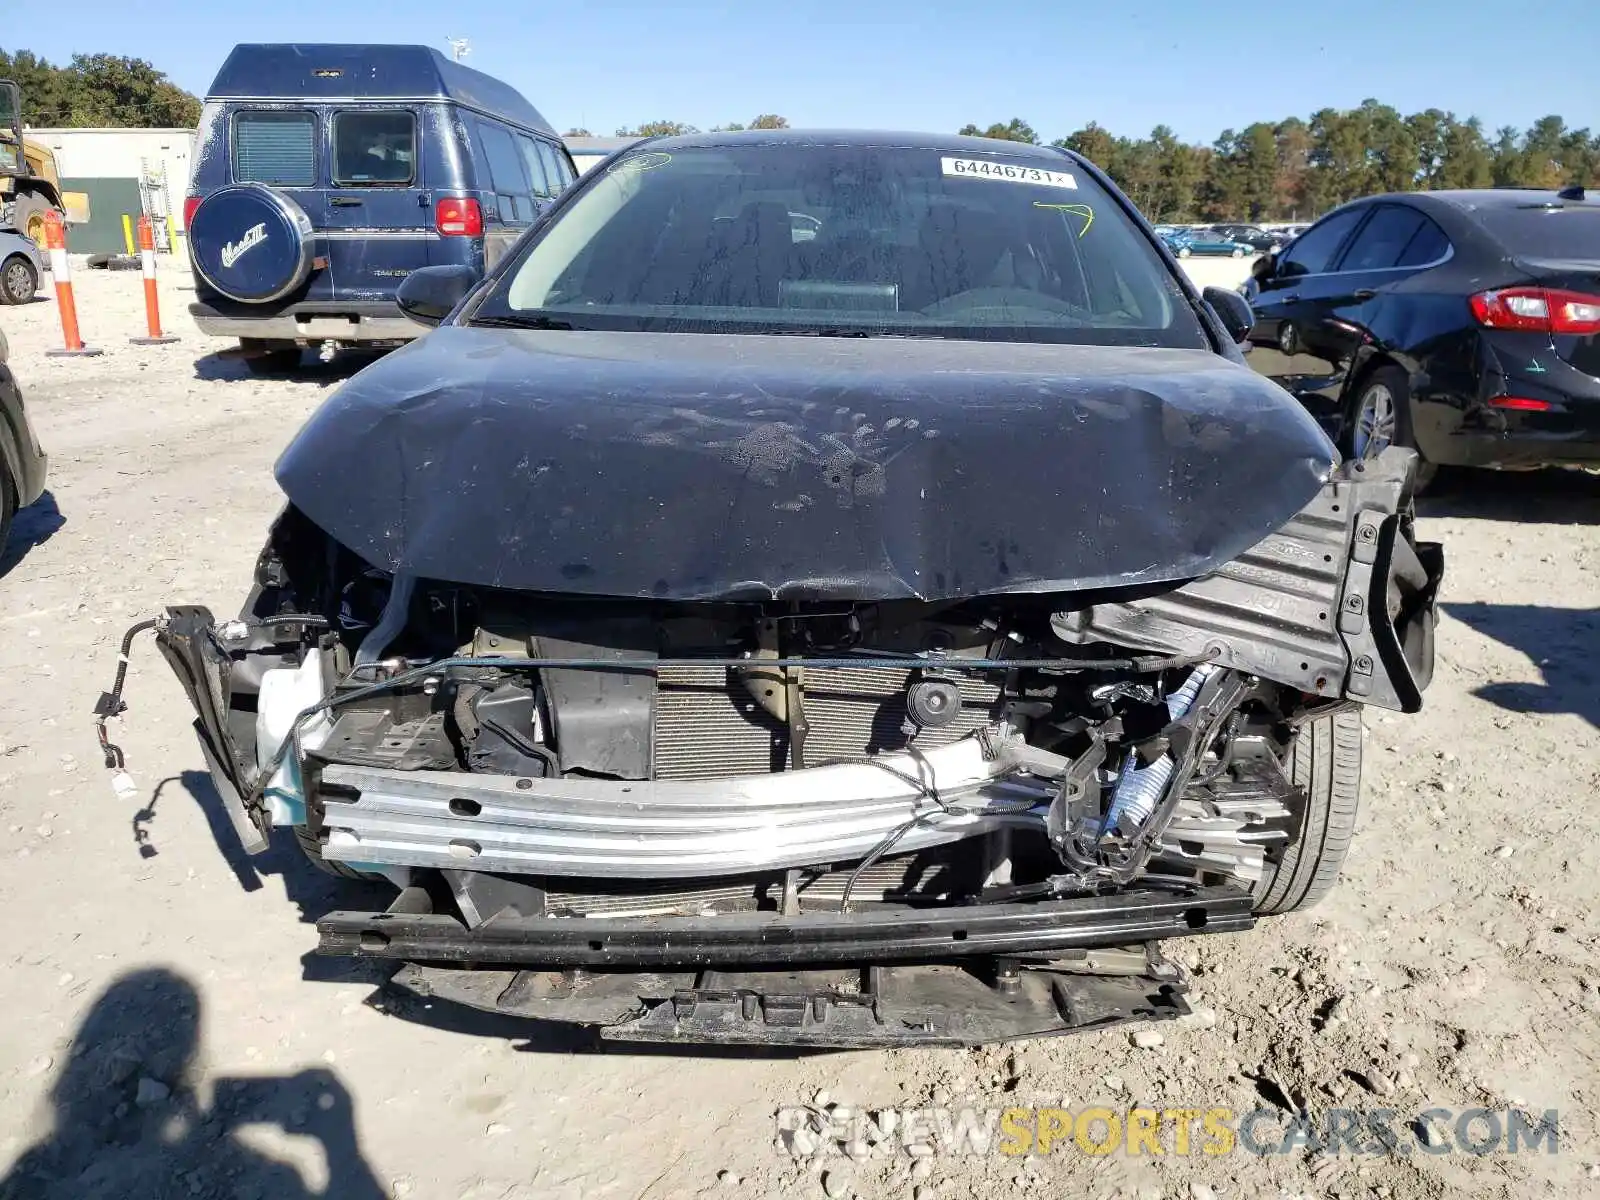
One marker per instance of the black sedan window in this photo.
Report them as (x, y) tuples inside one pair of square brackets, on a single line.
[(1383, 239), (1313, 251), (1546, 231), (849, 240)]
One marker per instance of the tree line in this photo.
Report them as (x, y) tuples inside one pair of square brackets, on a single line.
[(98, 90), (674, 128), (1296, 169)]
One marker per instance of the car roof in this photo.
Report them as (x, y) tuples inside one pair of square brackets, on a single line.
[(314, 71), (866, 139), (1468, 200)]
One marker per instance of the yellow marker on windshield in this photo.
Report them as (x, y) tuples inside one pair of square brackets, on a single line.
[(1080, 210)]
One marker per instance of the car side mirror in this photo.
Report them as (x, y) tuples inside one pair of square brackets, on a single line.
[(1264, 267), (430, 294), (1232, 309)]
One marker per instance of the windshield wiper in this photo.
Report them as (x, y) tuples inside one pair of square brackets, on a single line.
[(843, 332), (530, 321)]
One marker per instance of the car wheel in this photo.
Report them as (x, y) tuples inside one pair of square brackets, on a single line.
[(1325, 764), (1379, 416), (1184, 252), (18, 280), (1237, 253), (1288, 339)]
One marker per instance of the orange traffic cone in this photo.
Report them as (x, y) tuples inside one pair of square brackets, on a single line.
[(55, 241), (152, 305)]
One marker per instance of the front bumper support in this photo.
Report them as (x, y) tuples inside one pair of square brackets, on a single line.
[(874, 936)]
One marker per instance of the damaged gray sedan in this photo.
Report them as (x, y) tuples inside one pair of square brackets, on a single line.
[(882, 636)]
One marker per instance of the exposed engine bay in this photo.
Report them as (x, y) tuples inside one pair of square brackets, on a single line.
[(563, 784)]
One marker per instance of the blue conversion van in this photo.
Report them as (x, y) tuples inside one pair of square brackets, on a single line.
[(325, 174)]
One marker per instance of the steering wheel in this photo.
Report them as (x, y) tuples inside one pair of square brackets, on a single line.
[(1001, 299)]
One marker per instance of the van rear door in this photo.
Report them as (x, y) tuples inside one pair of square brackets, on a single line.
[(377, 218), (280, 145)]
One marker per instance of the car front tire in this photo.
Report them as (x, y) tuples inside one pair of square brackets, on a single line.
[(1325, 763)]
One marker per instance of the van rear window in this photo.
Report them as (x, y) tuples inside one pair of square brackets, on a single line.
[(275, 147), (374, 149)]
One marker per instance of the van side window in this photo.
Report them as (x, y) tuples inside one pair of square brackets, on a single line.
[(275, 146), (513, 202), (552, 168), (374, 149), (543, 184)]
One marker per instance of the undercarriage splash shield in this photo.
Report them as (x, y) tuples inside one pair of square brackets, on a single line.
[(875, 1007)]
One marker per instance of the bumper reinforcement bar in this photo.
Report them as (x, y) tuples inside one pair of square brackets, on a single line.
[(873, 936)]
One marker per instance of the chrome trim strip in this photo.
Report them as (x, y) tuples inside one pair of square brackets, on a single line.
[(390, 235)]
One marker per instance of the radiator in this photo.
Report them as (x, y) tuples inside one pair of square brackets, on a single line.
[(708, 726)]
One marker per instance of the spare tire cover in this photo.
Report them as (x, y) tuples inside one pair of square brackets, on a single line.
[(250, 242)]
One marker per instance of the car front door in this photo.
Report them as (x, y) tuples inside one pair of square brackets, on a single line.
[(1293, 305)]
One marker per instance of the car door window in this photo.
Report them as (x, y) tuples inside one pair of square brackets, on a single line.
[(374, 149), (1313, 250), (552, 168), (1382, 239), (513, 201), (1428, 245), (543, 184)]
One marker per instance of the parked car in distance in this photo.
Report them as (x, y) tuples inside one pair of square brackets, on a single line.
[(22, 462), (1462, 324), (967, 457), (325, 174), (1185, 242), (1262, 241), (21, 266)]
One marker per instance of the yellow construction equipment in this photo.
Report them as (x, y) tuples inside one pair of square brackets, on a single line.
[(30, 184)]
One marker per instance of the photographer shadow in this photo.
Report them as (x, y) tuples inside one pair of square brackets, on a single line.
[(128, 1118)]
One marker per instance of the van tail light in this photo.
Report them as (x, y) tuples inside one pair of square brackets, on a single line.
[(1537, 310), (1520, 404), (456, 217), (189, 205)]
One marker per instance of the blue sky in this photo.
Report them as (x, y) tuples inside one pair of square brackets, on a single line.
[(935, 65)]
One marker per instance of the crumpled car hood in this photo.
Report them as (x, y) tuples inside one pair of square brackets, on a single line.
[(700, 467)]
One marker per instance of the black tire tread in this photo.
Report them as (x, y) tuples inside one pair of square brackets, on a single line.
[(311, 847), (273, 362), (1325, 761)]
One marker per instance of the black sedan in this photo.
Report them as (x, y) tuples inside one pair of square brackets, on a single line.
[(1251, 235), (811, 622), (22, 462), (1463, 324)]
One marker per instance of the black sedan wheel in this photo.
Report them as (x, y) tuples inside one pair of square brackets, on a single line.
[(1288, 339), (18, 280), (1380, 416)]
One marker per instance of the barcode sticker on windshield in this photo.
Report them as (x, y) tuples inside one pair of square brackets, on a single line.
[(980, 168)]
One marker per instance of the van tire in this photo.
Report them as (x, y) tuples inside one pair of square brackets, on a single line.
[(269, 358)]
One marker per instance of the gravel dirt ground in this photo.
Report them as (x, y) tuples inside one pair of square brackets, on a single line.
[(168, 1033)]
